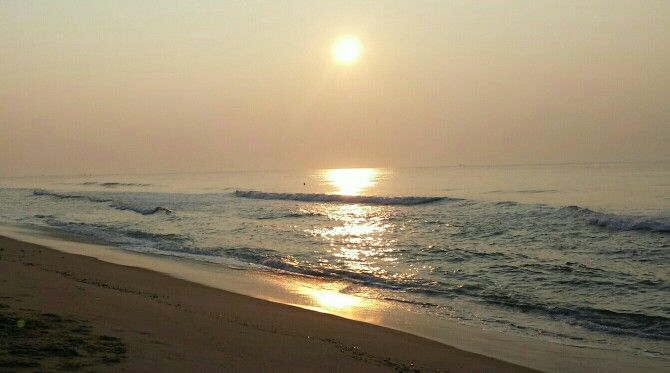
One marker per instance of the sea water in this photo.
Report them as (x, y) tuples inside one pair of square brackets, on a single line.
[(574, 254)]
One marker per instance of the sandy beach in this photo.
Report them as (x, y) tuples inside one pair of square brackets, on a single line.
[(65, 311)]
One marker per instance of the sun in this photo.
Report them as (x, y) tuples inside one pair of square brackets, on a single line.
[(346, 50)]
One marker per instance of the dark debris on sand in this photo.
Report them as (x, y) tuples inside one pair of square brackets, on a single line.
[(30, 340)]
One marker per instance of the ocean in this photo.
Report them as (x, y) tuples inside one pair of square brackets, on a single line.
[(573, 254)]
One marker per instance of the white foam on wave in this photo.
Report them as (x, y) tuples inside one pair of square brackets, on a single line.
[(319, 197)]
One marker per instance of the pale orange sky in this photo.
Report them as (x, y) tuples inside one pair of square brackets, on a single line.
[(151, 86)]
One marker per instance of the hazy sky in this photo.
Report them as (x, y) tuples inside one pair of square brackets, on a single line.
[(153, 86)]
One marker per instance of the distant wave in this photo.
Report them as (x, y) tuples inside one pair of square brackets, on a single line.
[(525, 191), (620, 222), (144, 210), (141, 210), (317, 197), (42, 192), (287, 215), (112, 184), (507, 203), (535, 191)]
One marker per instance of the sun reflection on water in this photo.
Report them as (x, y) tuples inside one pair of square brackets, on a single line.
[(358, 241), (331, 299)]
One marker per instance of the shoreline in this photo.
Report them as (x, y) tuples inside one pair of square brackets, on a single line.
[(482, 344), (151, 321)]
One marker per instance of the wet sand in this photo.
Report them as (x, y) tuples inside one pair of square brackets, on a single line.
[(67, 311)]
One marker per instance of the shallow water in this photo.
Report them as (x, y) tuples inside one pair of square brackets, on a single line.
[(577, 254)]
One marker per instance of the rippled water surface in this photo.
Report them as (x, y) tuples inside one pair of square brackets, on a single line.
[(578, 254)]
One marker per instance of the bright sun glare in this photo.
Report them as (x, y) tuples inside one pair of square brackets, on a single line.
[(351, 181), (346, 49), (331, 299), (334, 299)]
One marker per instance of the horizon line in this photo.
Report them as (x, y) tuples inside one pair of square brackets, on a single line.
[(82, 174)]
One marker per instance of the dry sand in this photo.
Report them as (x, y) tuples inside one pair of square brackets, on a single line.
[(66, 311)]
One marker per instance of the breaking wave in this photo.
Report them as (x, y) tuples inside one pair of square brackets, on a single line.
[(620, 222), (116, 235), (318, 197), (144, 210), (598, 319)]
